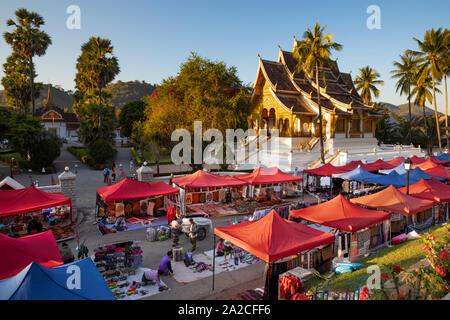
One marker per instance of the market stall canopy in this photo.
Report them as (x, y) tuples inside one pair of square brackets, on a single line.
[(326, 170), (438, 161), (272, 238), (267, 176), (30, 199), (378, 165), (391, 199), (203, 179), (17, 253), (134, 189), (392, 178), (439, 172), (358, 174), (444, 157), (400, 169), (425, 165), (10, 184), (341, 214), (396, 161), (431, 189), (36, 282), (417, 160), (417, 174), (350, 166)]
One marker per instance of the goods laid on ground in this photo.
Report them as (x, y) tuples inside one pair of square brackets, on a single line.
[(256, 294)]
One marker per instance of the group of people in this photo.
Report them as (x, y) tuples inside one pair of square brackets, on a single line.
[(110, 174), (176, 229), (154, 276), (225, 249)]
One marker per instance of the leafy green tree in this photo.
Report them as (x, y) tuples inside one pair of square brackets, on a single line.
[(313, 53), (89, 122), (24, 132), (28, 40), (387, 131), (101, 151), (406, 71), (5, 116), (129, 114), (44, 153), (96, 67), (366, 82)]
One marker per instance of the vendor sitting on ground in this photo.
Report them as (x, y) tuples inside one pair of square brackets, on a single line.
[(165, 266), (228, 250), (153, 277), (120, 224), (220, 249), (66, 253)]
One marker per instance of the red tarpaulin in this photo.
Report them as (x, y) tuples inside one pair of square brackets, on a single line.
[(396, 161), (326, 170), (439, 171), (27, 200), (391, 199), (341, 214), (17, 253), (272, 238), (430, 189), (203, 179), (267, 176), (134, 189), (378, 165), (436, 160), (350, 166), (417, 160)]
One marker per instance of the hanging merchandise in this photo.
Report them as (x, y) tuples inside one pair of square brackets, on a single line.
[(144, 207), (150, 208), (120, 209), (188, 198), (289, 286)]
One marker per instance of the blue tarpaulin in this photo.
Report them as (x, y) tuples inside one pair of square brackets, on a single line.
[(357, 174), (78, 280), (392, 178), (443, 157)]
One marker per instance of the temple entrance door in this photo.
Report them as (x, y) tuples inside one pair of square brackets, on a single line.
[(271, 120)]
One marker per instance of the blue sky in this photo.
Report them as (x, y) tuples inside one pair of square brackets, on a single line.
[(152, 38)]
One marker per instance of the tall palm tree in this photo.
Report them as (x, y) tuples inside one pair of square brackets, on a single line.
[(445, 67), (96, 68), (366, 81), (28, 40), (422, 92), (313, 53), (405, 71), (432, 50)]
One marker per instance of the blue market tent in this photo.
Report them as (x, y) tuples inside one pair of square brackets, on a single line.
[(399, 169), (416, 174), (357, 174), (78, 280), (443, 157), (392, 178)]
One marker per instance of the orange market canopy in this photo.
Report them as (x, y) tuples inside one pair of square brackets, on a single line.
[(430, 189), (341, 214), (425, 165), (29, 199), (203, 179), (17, 253), (272, 238), (439, 171), (267, 176), (134, 189), (393, 200)]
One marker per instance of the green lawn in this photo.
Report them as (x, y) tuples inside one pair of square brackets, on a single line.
[(165, 158), (403, 255)]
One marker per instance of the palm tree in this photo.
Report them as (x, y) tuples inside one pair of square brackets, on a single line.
[(433, 49), (366, 81), (96, 68), (405, 72), (28, 40), (313, 53), (445, 67), (422, 92)]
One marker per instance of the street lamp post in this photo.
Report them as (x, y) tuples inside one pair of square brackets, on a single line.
[(407, 168), (11, 161)]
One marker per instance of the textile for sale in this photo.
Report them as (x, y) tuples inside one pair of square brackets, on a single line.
[(120, 209), (289, 285)]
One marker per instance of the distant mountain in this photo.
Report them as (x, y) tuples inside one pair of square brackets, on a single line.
[(122, 93), (402, 110), (125, 92)]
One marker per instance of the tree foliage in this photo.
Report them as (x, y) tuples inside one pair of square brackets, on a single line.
[(366, 82), (23, 132), (89, 122), (101, 151), (44, 153), (130, 113)]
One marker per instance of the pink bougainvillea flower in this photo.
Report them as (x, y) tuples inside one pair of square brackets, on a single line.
[(441, 271), (364, 293), (425, 247), (444, 255), (385, 276), (401, 296), (431, 237), (396, 268)]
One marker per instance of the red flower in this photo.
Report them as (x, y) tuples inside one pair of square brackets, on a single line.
[(431, 237), (396, 268), (385, 276), (444, 255), (401, 296), (425, 247), (364, 293), (441, 271)]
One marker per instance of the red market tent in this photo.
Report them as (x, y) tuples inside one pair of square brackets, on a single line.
[(427, 164), (134, 189), (326, 170), (417, 160), (350, 166), (436, 160), (272, 238), (17, 253), (391, 199), (341, 214), (378, 165), (431, 189), (396, 161), (267, 176), (439, 171), (203, 179), (27, 200)]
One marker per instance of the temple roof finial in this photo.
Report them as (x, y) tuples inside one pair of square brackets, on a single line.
[(49, 102)]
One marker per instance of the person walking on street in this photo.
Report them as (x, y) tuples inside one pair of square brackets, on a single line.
[(193, 234), (105, 175), (113, 173), (176, 229)]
